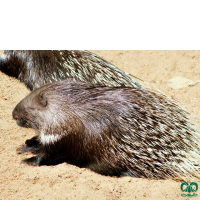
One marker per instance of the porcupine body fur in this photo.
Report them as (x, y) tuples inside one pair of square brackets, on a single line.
[(113, 131)]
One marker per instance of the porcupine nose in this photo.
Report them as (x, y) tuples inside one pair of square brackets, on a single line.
[(15, 115), (19, 120)]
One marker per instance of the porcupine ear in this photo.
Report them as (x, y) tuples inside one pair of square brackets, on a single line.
[(42, 100)]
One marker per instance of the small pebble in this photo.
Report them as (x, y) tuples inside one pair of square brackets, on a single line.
[(181, 82)]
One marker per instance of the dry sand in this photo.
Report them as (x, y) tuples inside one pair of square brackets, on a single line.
[(65, 181)]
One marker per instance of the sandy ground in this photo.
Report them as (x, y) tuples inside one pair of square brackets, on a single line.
[(65, 181)]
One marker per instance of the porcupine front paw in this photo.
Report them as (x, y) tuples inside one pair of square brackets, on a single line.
[(28, 149), (34, 161), (31, 145), (34, 141)]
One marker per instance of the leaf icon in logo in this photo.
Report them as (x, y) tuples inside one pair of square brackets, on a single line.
[(184, 184), (191, 188)]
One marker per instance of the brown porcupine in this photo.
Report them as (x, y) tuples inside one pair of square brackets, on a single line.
[(35, 68), (113, 131)]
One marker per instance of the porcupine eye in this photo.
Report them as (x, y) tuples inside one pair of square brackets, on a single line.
[(42, 100)]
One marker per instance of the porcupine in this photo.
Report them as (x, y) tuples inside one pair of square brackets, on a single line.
[(37, 67), (113, 131)]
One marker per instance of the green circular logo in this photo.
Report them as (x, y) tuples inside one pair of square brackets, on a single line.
[(186, 187)]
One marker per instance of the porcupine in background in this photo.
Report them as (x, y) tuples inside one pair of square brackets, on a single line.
[(37, 67)]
